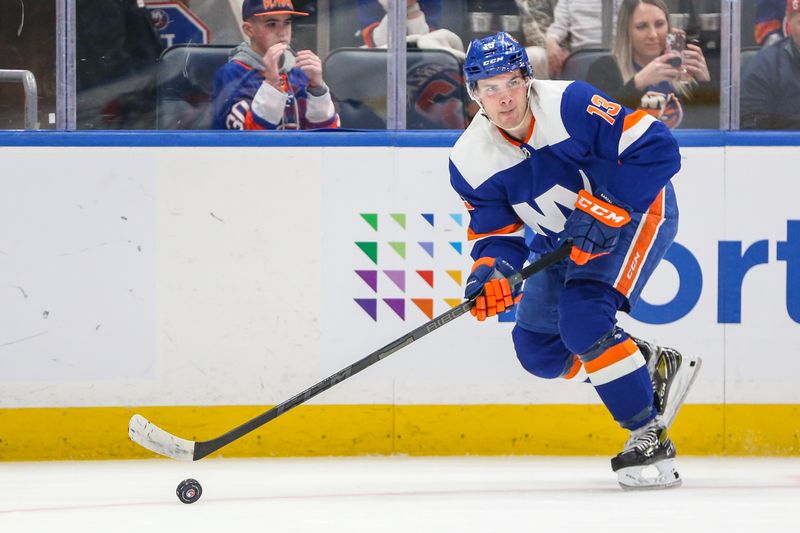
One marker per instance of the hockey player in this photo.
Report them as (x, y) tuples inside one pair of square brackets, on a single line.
[(564, 160), (264, 86)]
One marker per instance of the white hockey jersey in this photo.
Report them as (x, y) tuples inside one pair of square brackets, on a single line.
[(579, 139)]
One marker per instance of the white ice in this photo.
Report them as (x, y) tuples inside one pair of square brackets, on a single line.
[(396, 494)]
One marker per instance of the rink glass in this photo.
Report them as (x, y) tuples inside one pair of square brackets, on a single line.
[(84, 82)]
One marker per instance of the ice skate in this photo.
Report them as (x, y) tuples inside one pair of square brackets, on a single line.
[(648, 460), (672, 375)]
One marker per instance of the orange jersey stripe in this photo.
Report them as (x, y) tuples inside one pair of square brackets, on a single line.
[(250, 123), (632, 119), (763, 29), (527, 135), (248, 67), (367, 32), (616, 353), (647, 234), (511, 228)]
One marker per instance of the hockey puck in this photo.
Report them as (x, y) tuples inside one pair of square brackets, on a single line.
[(189, 490)]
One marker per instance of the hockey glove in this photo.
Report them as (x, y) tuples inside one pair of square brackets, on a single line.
[(594, 226), (489, 281)]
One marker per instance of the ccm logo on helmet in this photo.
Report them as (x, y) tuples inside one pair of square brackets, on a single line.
[(492, 61), (609, 214)]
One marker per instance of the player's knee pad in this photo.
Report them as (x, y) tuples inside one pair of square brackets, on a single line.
[(542, 354), (587, 311)]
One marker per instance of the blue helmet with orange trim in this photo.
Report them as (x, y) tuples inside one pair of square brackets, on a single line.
[(493, 55)]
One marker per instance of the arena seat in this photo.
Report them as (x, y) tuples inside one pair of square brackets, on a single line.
[(577, 65), (746, 56), (184, 77), (357, 78), (435, 88)]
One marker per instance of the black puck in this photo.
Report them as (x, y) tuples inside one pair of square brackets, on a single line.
[(189, 490)]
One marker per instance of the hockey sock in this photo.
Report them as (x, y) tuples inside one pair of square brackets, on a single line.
[(619, 374), (616, 368)]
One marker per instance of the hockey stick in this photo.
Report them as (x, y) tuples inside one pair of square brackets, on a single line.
[(148, 435)]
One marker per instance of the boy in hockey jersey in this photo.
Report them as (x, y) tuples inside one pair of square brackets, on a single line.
[(562, 159), (264, 86)]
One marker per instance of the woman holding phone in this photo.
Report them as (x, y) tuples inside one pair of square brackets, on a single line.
[(656, 70)]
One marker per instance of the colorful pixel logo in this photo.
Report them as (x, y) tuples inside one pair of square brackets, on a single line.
[(410, 263)]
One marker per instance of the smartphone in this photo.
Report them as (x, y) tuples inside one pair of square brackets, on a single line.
[(676, 42), (286, 61)]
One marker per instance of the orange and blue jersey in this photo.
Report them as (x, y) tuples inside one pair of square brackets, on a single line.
[(579, 140), (243, 101), (769, 19)]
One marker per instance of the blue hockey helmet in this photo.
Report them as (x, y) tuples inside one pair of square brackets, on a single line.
[(493, 55)]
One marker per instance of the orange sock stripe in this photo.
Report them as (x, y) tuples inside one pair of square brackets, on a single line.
[(576, 367), (616, 353)]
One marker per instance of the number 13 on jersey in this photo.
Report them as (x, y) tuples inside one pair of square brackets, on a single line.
[(604, 109)]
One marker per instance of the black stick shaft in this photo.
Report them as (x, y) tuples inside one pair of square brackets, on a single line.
[(204, 448)]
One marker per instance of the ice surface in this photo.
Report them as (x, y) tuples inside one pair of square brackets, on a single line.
[(396, 494)]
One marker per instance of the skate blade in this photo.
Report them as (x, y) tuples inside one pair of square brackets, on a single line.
[(642, 477), (680, 388)]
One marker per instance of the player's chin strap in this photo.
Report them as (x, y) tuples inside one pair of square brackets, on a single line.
[(524, 116)]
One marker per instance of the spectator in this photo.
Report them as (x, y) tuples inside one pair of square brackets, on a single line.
[(264, 86), (422, 15), (117, 48), (772, 82), (422, 25), (576, 25), (769, 22), (644, 73), (537, 15)]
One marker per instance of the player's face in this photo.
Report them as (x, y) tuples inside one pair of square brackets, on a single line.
[(504, 98), (649, 29), (268, 30)]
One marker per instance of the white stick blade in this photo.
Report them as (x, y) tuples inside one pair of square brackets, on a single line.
[(150, 436)]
